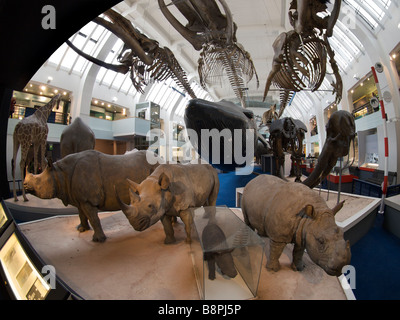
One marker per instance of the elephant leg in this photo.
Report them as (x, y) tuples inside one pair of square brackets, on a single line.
[(168, 229), (211, 265), (91, 214), (297, 264), (275, 251), (280, 158), (187, 219)]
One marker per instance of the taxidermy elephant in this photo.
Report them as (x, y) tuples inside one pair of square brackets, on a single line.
[(290, 212), (287, 134), (218, 129), (86, 180), (169, 192), (213, 237), (76, 137), (340, 131)]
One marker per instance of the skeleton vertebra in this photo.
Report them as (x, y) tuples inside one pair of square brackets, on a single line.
[(141, 56)]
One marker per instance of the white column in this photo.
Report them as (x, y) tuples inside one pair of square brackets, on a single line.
[(80, 105)]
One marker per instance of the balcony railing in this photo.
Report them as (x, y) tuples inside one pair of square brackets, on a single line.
[(21, 112)]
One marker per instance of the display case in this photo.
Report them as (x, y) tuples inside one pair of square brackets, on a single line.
[(5, 217), (23, 278), (24, 275), (227, 255)]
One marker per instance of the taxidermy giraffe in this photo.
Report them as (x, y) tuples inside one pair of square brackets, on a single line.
[(29, 131)]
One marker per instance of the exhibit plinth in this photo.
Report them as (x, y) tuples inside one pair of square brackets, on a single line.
[(227, 255), (392, 215), (138, 265)]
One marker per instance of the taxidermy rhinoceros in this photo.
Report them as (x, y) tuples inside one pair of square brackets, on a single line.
[(170, 191), (76, 137), (86, 180), (290, 212)]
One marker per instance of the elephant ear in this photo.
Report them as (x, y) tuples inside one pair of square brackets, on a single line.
[(163, 181), (308, 211)]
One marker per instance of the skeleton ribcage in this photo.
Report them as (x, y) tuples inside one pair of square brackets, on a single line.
[(303, 67), (218, 62), (304, 70), (163, 67)]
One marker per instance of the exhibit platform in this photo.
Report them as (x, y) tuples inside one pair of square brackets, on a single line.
[(37, 208), (356, 217), (392, 215), (138, 265)]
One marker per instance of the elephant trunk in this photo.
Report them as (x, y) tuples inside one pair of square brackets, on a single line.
[(326, 161)]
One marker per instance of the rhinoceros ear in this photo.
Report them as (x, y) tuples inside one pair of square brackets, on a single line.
[(309, 211), (337, 207), (134, 197), (163, 181), (133, 185)]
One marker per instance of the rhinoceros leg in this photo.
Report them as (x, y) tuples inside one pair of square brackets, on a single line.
[(275, 251), (166, 221), (187, 219), (91, 214), (84, 225), (297, 264)]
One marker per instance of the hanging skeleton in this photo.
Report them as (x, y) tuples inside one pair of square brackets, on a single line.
[(300, 55), (215, 34), (142, 57)]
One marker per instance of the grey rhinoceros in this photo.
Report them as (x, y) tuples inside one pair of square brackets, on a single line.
[(170, 191), (76, 137), (290, 212), (86, 180)]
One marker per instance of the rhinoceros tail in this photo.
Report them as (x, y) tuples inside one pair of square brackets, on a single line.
[(245, 217), (212, 198)]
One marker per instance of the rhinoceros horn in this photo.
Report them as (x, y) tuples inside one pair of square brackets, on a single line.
[(124, 207)]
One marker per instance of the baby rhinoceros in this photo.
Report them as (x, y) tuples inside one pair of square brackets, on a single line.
[(170, 191), (290, 212)]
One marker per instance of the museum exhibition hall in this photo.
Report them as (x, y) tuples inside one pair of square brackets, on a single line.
[(200, 150)]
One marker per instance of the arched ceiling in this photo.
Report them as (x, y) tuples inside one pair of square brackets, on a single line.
[(259, 23)]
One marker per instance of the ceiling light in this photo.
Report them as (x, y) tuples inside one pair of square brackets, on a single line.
[(361, 84), (394, 56), (43, 88), (109, 105), (64, 93), (55, 91), (96, 102), (352, 91)]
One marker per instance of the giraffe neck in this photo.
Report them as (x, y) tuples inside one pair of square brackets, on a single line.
[(43, 113)]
